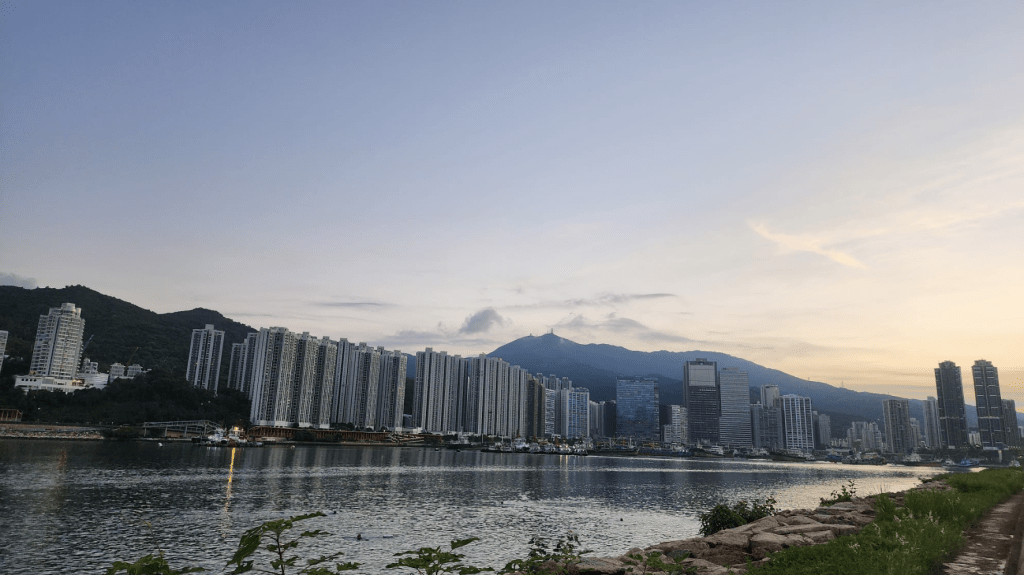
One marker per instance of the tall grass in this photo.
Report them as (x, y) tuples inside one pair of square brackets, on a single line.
[(907, 540)]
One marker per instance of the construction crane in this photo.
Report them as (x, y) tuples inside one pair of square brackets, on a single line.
[(87, 344), (131, 357)]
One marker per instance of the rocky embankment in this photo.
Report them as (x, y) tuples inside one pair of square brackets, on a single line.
[(28, 431), (729, 550)]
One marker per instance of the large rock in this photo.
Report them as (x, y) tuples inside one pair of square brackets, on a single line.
[(706, 567), (840, 530), (767, 539), (600, 566), (693, 546), (728, 539), (804, 528)]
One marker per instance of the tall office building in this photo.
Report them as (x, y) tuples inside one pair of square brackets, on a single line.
[(636, 409), (931, 423), (990, 403), (58, 345), (797, 423), (896, 416), (734, 425), (3, 347), (610, 410), (770, 417), (204, 357), (824, 430), (952, 416), (1011, 435), (703, 400)]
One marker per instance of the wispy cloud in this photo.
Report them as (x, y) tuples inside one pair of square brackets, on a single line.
[(10, 279), (604, 299), (621, 326), (352, 304), (801, 243)]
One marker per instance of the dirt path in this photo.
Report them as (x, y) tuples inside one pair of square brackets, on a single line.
[(992, 546)]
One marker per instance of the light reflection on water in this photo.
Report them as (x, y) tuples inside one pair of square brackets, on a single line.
[(77, 506)]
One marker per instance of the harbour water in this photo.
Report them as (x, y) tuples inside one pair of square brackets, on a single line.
[(70, 506)]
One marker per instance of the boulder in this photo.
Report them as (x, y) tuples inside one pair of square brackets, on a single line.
[(727, 539), (818, 537), (805, 528), (600, 566), (767, 539), (694, 546), (706, 567), (762, 524), (840, 530)]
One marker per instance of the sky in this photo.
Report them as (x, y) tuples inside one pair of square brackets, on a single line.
[(835, 190)]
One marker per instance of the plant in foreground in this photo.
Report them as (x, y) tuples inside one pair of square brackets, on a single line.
[(742, 512), (558, 560), (150, 565), (274, 532), (431, 560), (843, 494)]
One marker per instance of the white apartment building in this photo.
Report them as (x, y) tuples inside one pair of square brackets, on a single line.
[(204, 358)]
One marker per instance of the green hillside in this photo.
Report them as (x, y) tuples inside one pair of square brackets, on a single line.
[(116, 327)]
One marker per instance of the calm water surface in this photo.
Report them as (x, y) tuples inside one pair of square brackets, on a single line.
[(78, 506)]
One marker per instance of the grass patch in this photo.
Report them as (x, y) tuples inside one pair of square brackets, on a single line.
[(906, 540)]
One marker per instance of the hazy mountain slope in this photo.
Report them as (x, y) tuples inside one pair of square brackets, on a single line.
[(596, 366), (116, 327)]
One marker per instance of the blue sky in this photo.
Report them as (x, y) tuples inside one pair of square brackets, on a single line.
[(831, 189)]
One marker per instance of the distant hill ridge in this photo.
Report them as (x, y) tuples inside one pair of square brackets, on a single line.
[(596, 366), (118, 327)]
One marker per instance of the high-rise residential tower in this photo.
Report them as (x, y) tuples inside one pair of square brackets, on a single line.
[(3, 347), (896, 415), (990, 403), (734, 425), (797, 422), (952, 416), (204, 357), (58, 345), (273, 371), (703, 400), (1011, 434), (931, 423)]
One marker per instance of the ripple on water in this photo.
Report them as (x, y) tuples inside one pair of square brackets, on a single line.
[(111, 501)]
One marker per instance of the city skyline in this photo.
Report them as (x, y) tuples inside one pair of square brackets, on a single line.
[(805, 187)]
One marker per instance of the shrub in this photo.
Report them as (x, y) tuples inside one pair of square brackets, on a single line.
[(843, 494), (742, 512), (544, 561)]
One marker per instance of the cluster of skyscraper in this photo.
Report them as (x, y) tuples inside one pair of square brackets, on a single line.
[(301, 380), (487, 396), (997, 417), (717, 411)]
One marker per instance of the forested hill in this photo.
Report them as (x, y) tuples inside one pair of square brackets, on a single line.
[(116, 327)]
